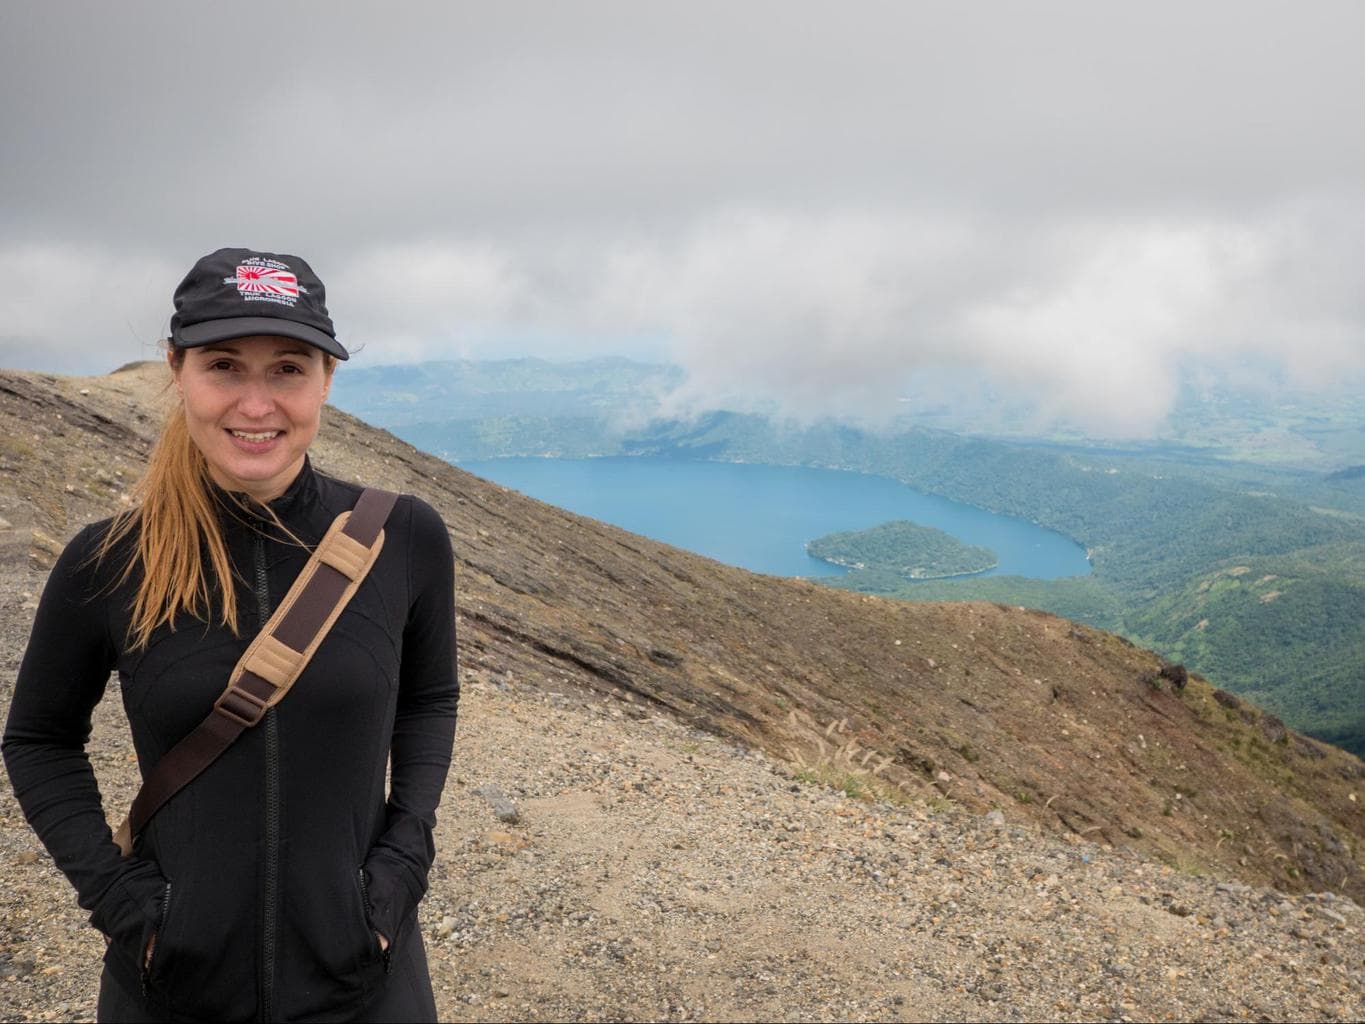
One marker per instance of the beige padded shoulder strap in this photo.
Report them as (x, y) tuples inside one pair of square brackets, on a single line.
[(275, 659)]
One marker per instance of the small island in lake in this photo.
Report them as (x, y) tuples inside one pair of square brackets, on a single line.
[(905, 549)]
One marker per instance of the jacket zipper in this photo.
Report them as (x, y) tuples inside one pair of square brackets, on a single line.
[(387, 951), (149, 959), (271, 877)]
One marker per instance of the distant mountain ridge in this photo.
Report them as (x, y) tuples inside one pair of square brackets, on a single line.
[(1208, 425), (984, 705), (432, 393)]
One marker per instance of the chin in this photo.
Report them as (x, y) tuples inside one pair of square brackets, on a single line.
[(250, 476)]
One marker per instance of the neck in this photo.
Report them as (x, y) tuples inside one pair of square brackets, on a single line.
[(260, 491)]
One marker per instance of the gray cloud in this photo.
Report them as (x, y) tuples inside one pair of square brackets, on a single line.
[(806, 205), (1090, 322)]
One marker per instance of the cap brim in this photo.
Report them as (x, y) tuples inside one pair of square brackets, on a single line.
[(209, 331)]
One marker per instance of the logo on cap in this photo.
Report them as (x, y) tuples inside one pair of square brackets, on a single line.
[(262, 280)]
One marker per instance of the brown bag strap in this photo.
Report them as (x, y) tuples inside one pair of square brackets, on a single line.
[(275, 658)]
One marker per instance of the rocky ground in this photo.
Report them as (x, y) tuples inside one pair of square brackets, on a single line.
[(656, 872)]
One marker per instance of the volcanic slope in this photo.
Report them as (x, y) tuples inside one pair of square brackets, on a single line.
[(977, 705)]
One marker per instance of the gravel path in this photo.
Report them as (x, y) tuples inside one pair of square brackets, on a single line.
[(655, 872)]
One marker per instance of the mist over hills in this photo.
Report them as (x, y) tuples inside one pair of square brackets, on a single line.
[(1214, 419)]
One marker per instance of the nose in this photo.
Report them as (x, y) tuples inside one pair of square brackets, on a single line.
[(255, 400)]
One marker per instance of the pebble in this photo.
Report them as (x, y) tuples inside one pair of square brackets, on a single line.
[(1332, 915), (503, 807)]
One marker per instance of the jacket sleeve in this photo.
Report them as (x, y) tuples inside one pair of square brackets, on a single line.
[(423, 730), (62, 677)]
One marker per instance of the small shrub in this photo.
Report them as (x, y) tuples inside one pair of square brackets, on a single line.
[(1178, 675), (852, 787)]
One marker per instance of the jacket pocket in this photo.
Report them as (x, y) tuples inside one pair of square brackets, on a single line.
[(148, 961), (202, 964), (385, 952), (333, 956)]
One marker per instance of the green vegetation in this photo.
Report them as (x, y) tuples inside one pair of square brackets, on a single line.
[(1287, 632), (566, 437), (903, 549), (851, 784)]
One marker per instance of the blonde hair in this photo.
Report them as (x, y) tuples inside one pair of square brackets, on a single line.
[(179, 538)]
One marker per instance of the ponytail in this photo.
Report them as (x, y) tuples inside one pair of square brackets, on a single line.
[(175, 521)]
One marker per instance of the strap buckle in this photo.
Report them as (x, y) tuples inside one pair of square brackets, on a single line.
[(240, 706)]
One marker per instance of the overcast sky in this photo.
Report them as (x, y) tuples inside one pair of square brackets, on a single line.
[(807, 206)]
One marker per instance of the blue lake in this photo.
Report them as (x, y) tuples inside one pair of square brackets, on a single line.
[(760, 517)]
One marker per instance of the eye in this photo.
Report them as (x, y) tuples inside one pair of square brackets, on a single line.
[(220, 364)]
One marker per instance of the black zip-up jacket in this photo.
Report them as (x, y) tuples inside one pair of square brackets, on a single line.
[(266, 878)]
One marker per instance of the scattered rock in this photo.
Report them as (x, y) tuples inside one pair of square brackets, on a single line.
[(503, 807), (1331, 914), (1273, 729), (506, 841)]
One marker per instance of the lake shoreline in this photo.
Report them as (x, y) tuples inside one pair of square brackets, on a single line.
[(759, 515), (912, 578)]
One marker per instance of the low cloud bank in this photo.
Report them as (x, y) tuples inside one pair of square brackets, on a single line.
[(844, 315), (1087, 324)]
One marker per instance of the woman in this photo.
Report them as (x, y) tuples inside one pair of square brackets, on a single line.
[(281, 883)]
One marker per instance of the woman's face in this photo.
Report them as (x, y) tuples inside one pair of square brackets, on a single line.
[(253, 406)]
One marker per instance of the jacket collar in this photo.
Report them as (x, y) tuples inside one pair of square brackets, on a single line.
[(295, 507)]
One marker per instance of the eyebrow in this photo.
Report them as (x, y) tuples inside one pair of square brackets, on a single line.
[(284, 350)]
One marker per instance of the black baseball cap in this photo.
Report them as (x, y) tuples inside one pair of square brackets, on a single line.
[(237, 293)]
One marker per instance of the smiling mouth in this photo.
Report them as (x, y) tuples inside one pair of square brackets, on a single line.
[(255, 435)]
